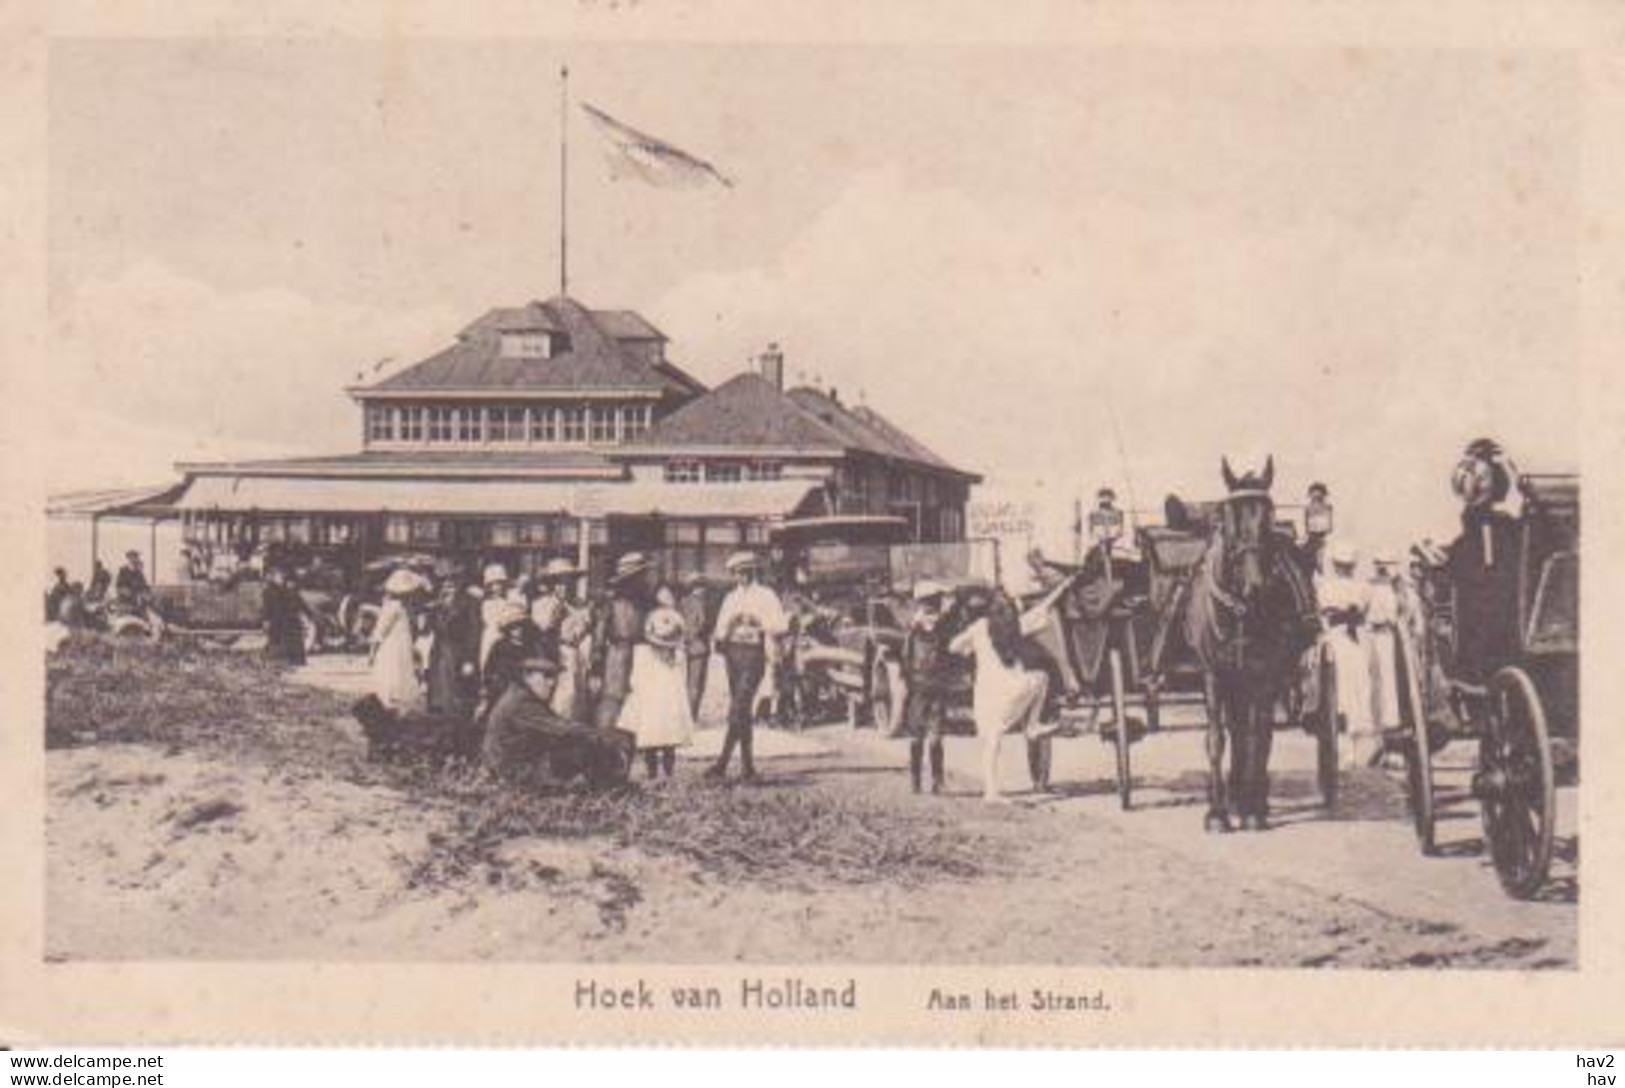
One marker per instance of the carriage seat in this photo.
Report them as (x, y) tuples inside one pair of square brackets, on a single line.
[(1186, 516)]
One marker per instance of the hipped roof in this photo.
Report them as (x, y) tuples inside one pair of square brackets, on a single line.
[(604, 353), (750, 411)]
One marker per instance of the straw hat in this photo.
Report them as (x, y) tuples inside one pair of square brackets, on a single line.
[(739, 561), (927, 588), (403, 583), (557, 570), (1344, 554), (630, 564), (665, 627), (495, 573)]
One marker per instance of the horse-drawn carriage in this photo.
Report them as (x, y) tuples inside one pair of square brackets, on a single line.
[(1118, 627), (1499, 664)]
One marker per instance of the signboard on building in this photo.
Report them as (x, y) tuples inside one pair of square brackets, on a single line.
[(1013, 526), (1003, 520), (589, 501)]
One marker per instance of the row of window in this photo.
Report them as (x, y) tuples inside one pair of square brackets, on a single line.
[(271, 529), (867, 486), (556, 533), (571, 424), (722, 472), (539, 532)]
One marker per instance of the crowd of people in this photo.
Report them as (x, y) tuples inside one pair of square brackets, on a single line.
[(522, 670), (529, 672), (1362, 616), (74, 604), (533, 676)]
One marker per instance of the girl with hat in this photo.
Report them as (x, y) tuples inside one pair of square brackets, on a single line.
[(656, 709), (394, 668)]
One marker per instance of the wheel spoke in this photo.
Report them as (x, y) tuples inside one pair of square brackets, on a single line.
[(1528, 837)]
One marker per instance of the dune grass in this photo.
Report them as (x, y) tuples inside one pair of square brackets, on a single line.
[(240, 706)]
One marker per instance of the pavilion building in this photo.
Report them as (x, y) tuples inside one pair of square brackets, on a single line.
[(552, 429)]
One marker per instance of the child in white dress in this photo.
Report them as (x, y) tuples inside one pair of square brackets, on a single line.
[(656, 710)]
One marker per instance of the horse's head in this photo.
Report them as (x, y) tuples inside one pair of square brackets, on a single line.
[(1246, 529)]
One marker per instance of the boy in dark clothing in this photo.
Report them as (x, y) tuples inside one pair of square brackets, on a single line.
[(58, 593), (926, 671), (131, 585), (100, 581)]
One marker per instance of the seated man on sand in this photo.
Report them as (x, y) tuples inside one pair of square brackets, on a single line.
[(527, 744)]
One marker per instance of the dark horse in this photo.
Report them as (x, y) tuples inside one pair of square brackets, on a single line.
[(1250, 616)]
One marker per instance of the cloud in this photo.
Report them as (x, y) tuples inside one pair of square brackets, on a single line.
[(150, 360), (1022, 341)]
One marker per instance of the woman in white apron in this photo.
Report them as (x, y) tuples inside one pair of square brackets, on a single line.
[(1005, 697), (1383, 618), (1344, 601)]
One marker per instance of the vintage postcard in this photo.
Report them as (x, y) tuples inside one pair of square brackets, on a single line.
[(677, 523)]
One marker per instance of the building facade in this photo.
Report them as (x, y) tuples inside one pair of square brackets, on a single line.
[(552, 429)]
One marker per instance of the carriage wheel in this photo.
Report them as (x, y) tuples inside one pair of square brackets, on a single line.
[(1418, 751), (1125, 779), (1515, 783), (1419, 779), (1326, 733)]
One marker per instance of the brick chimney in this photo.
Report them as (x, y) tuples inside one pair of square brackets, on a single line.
[(772, 364)]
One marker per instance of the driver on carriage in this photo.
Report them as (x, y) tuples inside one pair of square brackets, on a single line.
[(1481, 561)]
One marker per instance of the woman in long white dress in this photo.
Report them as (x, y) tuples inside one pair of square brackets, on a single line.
[(656, 710), (1344, 603), (394, 669), (1005, 696), (1382, 619)]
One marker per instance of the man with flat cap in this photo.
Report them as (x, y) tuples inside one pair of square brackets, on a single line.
[(749, 624)]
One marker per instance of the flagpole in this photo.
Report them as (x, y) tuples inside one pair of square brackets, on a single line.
[(564, 179)]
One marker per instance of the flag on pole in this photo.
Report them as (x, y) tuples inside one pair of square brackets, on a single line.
[(638, 155)]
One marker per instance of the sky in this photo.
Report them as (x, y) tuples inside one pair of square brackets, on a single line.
[(1058, 267)]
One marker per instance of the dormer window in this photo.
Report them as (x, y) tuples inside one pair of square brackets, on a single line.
[(531, 344)]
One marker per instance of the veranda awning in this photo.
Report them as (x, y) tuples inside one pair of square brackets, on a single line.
[(304, 495)]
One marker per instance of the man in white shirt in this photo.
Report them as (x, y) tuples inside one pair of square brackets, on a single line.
[(748, 627)]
